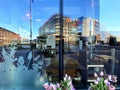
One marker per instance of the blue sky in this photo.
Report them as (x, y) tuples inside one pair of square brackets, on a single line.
[(14, 13), (110, 15)]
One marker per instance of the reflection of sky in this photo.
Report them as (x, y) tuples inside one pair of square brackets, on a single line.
[(109, 14), (14, 12)]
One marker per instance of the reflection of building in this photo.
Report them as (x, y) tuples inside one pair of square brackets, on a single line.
[(72, 30), (6, 37), (89, 27), (52, 27)]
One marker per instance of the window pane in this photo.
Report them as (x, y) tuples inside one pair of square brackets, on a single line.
[(80, 29), (26, 29), (34, 50)]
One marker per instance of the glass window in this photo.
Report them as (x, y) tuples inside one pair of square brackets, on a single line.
[(42, 40)]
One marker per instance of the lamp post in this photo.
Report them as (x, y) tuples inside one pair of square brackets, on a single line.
[(61, 42), (31, 61)]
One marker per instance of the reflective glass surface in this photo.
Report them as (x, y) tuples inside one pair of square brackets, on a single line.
[(42, 40)]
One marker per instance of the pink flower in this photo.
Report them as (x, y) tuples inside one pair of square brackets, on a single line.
[(111, 87), (107, 82), (54, 87), (98, 79), (73, 88), (46, 86), (58, 85)]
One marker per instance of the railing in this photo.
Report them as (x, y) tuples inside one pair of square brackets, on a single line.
[(109, 57)]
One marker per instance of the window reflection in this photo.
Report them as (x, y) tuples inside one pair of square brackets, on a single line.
[(29, 42)]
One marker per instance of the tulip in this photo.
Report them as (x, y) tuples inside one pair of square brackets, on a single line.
[(96, 82), (101, 73), (95, 75), (46, 86), (54, 87), (98, 79), (69, 78), (111, 87), (58, 85), (109, 77), (66, 75), (107, 82)]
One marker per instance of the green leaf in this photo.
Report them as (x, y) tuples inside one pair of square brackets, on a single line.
[(59, 89), (105, 87), (91, 84)]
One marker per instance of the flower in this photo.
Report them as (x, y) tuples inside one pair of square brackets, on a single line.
[(98, 79), (111, 87), (102, 83), (66, 84), (46, 86), (101, 73), (106, 82), (112, 78), (96, 82), (95, 74)]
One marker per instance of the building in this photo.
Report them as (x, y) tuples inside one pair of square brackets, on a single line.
[(7, 37)]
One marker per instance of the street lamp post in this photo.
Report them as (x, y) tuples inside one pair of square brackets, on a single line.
[(31, 61)]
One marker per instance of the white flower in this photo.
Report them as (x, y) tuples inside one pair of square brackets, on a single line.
[(65, 78), (109, 77), (66, 75), (96, 82), (95, 75), (69, 78), (112, 78), (101, 73)]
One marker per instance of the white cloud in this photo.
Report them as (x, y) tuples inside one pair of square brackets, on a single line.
[(38, 20)]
